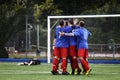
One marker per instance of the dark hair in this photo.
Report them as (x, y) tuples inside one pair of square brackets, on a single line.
[(82, 23), (66, 23), (61, 22), (71, 22)]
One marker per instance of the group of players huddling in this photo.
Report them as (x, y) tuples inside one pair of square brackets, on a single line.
[(71, 43)]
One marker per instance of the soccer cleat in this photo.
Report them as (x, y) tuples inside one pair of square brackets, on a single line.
[(77, 72), (88, 71), (72, 73), (65, 73), (29, 64), (83, 72), (60, 71), (54, 72)]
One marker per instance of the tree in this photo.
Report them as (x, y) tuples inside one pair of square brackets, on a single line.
[(76, 7), (44, 9), (41, 11), (13, 13), (10, 22)]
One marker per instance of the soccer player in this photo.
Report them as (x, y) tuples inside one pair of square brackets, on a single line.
[(60, 50), (73, 50), (82, 40), (33, 61)]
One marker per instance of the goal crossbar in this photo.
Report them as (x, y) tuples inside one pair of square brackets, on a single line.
[(71, 16), (84, 16)]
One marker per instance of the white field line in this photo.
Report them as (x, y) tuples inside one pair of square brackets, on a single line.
[(106, 73), (47, 72), (100, 65), (23, 72)]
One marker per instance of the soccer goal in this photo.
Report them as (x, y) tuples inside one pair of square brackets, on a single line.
[(82, 17)]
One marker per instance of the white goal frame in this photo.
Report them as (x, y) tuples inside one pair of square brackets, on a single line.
[(72, 16)]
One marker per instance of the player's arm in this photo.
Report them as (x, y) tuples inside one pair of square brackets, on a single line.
[(66, 34), (54, 42), (76, 33), (90, 33), (69, 34)]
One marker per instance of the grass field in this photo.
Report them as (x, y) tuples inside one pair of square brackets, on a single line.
[(11, 71)]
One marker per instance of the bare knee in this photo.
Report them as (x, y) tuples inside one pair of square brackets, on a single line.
[(86, 59), (64, 58), (81, 58), (74, 57), (56, 57)]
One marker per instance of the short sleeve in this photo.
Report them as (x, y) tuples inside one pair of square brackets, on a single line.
[(76, 33)]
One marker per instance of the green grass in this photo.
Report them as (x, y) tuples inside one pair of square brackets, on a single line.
[(11, 71)]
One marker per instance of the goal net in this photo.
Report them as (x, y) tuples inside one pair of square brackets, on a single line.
[(93, 21)]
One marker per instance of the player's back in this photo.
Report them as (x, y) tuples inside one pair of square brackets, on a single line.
[(62, 41), (73, 40), (82, 38)]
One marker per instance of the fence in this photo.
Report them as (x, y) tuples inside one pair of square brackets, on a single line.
[(95, 51), (104, 50)]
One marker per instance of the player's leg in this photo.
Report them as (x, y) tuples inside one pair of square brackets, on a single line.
[(74, 60), (77, 68), (81, 53), (26, 63), (86, 59), (64, 55), (30, 63), (55, 61), (71, 60), (23, 63), (71, 64)]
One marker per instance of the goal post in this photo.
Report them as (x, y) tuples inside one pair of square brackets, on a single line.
[(60, 17)]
